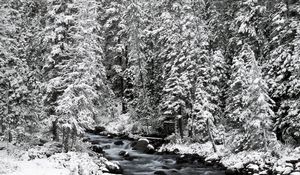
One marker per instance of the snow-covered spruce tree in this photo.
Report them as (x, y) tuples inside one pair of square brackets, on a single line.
[(249, 107), (154, 38), (186, 56), (207, 113), (282, 69), (208, 100), (76, 91), (115, 49), (178, 63), (19, 91), (135, 74)]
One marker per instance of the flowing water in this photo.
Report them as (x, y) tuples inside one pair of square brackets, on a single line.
[(148, 164)]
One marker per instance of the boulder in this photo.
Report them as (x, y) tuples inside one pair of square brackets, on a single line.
[(126, 155), (253, 168), (113, 167), (150, 149), (123, 153), (119, 142), (141, 145), (110, 136), (97, 149)]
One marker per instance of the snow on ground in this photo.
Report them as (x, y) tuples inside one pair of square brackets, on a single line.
[(204, 149), (9, 165), (278, 158), (14, 161), (237, 160)]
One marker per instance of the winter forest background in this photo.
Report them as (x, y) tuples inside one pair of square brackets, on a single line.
[(225, 72)]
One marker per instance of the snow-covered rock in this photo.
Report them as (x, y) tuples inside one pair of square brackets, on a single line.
[(113, 167), (141, 145), (253, 168), (239, 165), (212, 158), (295, 173), (279, 169), (287, 170)]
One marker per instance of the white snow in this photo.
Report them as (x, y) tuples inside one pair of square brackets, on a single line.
[(14, 161), (9, 165), (191, 148)]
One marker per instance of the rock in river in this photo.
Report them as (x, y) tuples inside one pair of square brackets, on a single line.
[(97, 148), (141, 145), (119, 142)]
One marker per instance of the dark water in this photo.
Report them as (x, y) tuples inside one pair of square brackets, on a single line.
[(148, 164)]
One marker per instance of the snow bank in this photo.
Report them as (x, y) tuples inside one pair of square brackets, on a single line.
[(282, 160), (15, 161), (203, 150)]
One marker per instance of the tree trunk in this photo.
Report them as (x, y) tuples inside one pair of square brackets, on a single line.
[(10, 137), (192, 129), (73, 136), (210, 136), (66, 138), (55, 130), (2, 125), (265, 140), (180, 127)]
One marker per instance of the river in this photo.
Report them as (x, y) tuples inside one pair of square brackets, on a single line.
[(148, 164)]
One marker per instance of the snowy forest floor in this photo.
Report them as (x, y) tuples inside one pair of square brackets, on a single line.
[(17, 161)]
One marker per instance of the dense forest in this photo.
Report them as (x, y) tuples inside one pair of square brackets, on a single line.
[(219, 71)]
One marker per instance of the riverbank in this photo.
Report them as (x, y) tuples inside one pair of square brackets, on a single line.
[(284, 160), (47, 159)]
